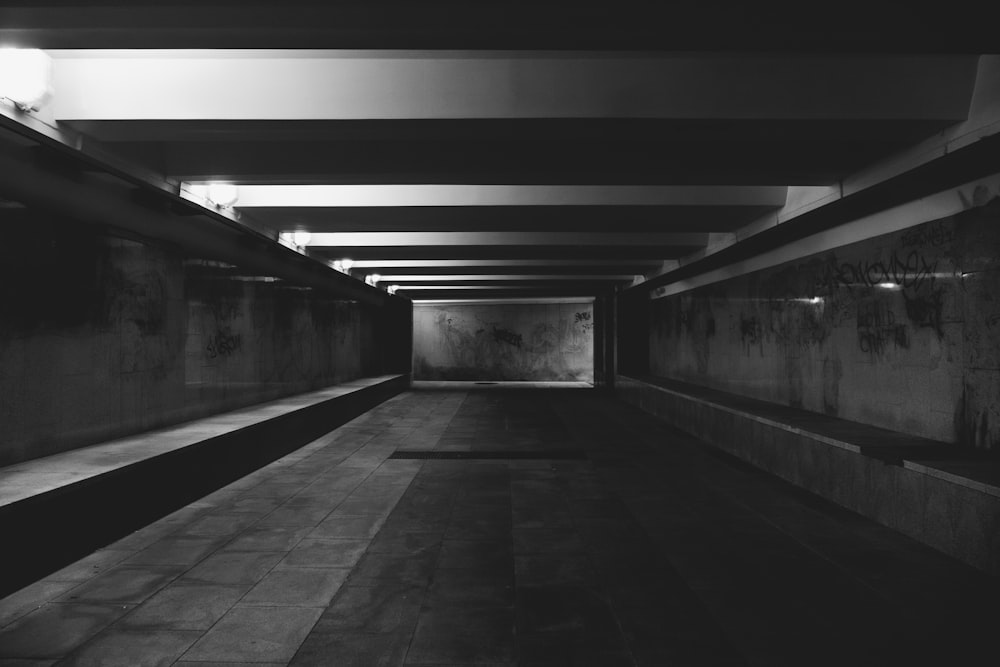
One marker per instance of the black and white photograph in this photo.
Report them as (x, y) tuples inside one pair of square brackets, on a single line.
[(484, 333)]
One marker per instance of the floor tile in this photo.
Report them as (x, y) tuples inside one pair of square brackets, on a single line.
[(469, 589), (463, 636), (313, 552), (123, 584), (227, 663), (31, 597), (255, 634), (182, 606), (56, 629), (358, 527), (276, 538), (541, 569), (132, 648), (219, 523), (387, 607), (300, 587), (411, 543), (176, 550), (580, 611), (476, 554), (300, 514), (233, 568), (352, 650), (92, 565), (400, 567)]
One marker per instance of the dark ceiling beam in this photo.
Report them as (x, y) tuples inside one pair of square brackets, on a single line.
[(622, 25), (444, 131), (816, 160)]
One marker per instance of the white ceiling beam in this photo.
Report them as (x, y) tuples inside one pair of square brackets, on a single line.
[(301, 85), (404, 278), (253, 196), (503, 288), (375, 239), (510, 301), (465, 263)]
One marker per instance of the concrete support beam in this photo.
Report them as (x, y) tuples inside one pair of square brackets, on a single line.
[(335, 196), (390, 239), (300, 85)]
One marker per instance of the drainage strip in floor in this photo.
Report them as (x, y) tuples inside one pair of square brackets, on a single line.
[(561, 454)]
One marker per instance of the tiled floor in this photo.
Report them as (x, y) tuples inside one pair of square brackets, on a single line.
[(625, 544)]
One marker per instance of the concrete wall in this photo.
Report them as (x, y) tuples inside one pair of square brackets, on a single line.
[(538, 342), (959, 518), (901, 331), (102, 336)]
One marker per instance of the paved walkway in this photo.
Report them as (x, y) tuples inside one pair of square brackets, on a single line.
[(506, 527)]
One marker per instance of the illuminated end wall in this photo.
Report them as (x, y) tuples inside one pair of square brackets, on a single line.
[(514, 341)]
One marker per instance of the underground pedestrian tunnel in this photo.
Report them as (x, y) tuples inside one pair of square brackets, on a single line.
[(377, 334)]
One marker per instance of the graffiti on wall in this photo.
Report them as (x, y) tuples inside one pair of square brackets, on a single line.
[(848, 331), (501, 335), (223, 343), (499, 343)]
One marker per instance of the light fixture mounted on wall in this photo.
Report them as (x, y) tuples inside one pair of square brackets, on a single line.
[(25, 78), (342, 265), (219, 195), (223, 195)]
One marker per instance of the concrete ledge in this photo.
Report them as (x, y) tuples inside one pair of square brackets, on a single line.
[(936, 493), (55, 509)]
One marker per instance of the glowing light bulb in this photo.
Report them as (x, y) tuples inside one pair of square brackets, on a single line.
[(301, 238), (25, 77), (223, 195), (347, 263)]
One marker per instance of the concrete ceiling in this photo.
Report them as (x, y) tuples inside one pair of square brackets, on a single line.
[(466, 150)]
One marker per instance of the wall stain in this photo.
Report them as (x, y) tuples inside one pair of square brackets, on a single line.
[(501, 335), (831, 331)]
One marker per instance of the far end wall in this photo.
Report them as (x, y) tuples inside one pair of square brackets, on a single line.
[(526, 341)]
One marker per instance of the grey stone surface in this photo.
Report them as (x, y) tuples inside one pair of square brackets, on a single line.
[(132, 648), (297, 586), (255, 634), (183, 606), (651, 551)]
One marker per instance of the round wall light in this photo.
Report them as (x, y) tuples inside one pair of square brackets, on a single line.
[(25, 77), (223, 195)]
